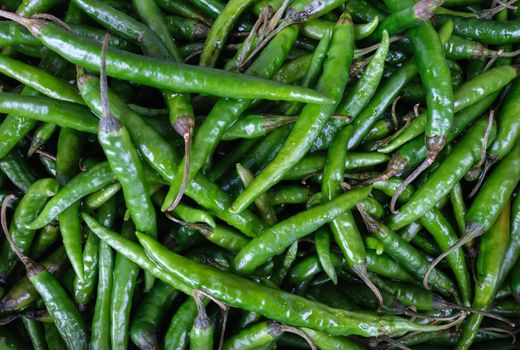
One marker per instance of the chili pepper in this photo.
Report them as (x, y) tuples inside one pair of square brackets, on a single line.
[(513, 251), (440, 183), (22, 293), (183, 9), (162, 157), (408, 17), (67, 165), (255, 336), (66, 316), (15, 168), (311, 120), (125, 277), (64, 114), (492, 197), (151, 14), (39, 80), (466, 95), (178, 331), (225, 112), (458, 207), (435, 75), (508, 127), (101, 322), (316, 28), (344, 322), (29, 206), (493, 247), (439, 227), (201, 333), (40, 136), (35, 332), (187, 29), (97, 199), (262, 203), (403, 252), (150, 313), (53, 338), (326, 341), (44, 239), (220, 31), (359, 97), (255, 125), (260, 249), (484, 31), (289, 195), (88, 55), (126, 165), (78, 187), (364, 11), (322, 241), (211, 8)]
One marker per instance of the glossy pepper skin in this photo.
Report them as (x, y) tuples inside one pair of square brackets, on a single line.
[(253, 296), (450, 172), (167, 75), (493, 248), (276, 239), (311, 120), (30, 204)]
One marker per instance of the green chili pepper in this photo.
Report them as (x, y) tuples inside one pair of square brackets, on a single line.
[(149, 314), (40, 136), (35, 332), (124, 283), (513, 251), (272, 242), (101, 321), (493, 248), (359, 97), (90, 181), (162, 74), (22, 293), (201, 334), (17, 171), (225, 286), (484, 31), (220, 30), (440, 183), (29, 206), (226, 111), (66, 316), (176, 337), (44, 239), (408, 17), (312, 118), (64, 114)]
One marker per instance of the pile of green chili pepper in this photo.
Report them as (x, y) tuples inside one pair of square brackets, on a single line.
[(259, 174)]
